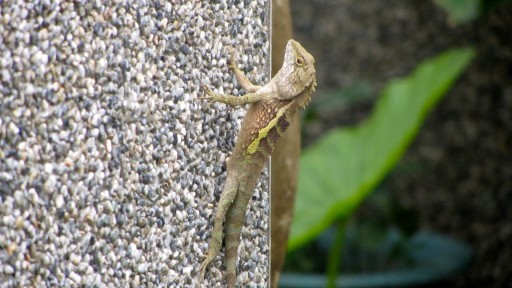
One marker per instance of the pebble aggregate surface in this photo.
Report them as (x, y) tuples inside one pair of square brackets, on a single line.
[(110, 167)]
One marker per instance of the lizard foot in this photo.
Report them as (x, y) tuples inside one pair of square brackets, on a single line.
[(211, 96), (202, 271), (232, 58), (214, 97)]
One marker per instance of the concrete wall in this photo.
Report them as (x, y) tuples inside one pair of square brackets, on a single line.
[(110, 168)]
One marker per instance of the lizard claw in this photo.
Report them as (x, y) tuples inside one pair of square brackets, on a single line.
[(200, 277), (232, 57), (208, 91)]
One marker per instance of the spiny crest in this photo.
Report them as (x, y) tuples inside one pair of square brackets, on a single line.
[(312, 89), (307, 96)]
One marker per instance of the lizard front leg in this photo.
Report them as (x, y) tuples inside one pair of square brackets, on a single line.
[(237, 100), (240, 76)]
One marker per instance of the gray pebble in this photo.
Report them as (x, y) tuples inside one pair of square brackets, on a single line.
[(111, 162)]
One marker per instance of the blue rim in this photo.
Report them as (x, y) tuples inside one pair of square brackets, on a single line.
[(438, 257)]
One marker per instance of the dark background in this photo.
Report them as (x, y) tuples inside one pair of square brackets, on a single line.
[(463, 186)]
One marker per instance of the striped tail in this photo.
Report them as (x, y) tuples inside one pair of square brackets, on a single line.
[(234, 222)]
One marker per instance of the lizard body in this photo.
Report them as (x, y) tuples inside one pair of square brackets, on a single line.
[(270, 113)]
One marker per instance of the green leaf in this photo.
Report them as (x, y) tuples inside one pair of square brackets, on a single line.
[(460, 11), (339, 171)]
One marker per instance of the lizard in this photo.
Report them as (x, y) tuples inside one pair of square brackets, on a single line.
[(269, 115)]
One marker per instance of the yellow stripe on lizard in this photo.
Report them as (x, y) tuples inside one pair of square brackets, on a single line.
[(253, 147)]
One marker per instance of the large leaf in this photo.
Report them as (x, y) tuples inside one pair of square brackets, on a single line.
[(460, 11), (339, 171)]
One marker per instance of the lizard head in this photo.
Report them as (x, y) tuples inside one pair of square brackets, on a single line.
[(298, 72)]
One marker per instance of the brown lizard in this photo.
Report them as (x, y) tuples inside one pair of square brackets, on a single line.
[(270, 113)]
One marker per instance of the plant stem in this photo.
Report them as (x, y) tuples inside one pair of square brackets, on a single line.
[(334, 259)]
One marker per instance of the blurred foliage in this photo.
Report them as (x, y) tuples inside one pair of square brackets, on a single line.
[(368, 233), (463, 11), (460, 11), (341, 169), (377, 239), (339, 100)]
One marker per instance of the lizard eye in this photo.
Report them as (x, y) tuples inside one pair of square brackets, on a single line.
[(299, 61)]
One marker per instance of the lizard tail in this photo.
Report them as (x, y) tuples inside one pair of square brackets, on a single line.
[(234, 222), (226, 200)]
